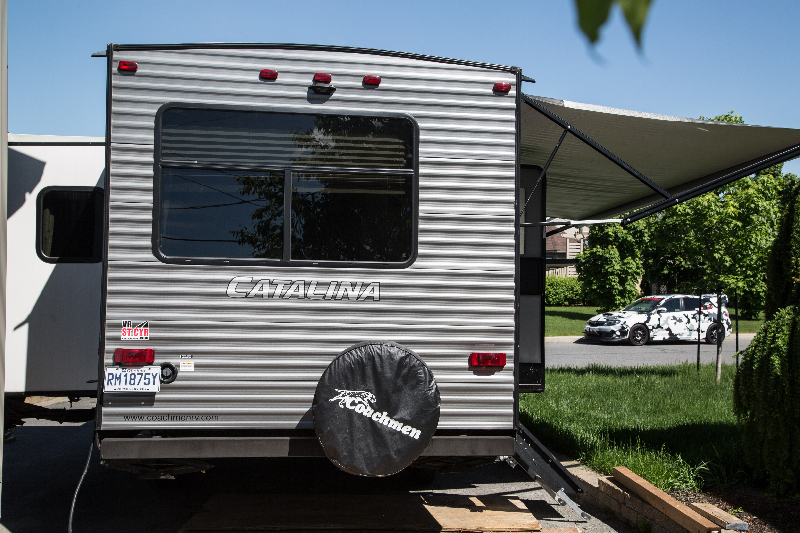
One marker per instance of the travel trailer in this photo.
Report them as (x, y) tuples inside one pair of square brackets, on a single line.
[(315, 250)]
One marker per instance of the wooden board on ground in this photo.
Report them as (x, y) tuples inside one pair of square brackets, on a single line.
[(406, 512), (680, 513), (719, 517)]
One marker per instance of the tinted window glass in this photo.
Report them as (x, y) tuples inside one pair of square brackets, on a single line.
[(351, 197), (70, 224), (250, 137), (644, 305), (691, 304), (351, 217), (672, 305), (215, 213)]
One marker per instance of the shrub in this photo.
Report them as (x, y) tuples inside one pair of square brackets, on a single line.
[(767, 401), (783, 263), (562, 291)]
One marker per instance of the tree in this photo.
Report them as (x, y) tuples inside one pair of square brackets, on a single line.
[(593, 14), (610, 268), (783, 265)]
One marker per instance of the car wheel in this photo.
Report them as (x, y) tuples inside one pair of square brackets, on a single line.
[(639, 335), (711, 334)]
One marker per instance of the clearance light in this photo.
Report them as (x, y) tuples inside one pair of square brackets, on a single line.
[(487, 359), (321, 77), (267, 74), (501, 87), (128, 66), (138, 356), (372, 80)]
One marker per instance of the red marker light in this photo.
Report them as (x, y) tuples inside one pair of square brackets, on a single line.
[(321, 77), (372, 80), (138, 356), (267, 74), (502, 87), (487, 359), (128, 66)]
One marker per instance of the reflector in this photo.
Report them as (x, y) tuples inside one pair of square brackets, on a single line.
[(321, 77), (487, 359), (372, 80), (128, 66), (267, 74), (137, 356), (501, 87)]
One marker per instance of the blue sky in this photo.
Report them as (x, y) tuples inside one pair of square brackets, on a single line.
[(698, 57)]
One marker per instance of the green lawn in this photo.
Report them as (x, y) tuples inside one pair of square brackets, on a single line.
[(564, 321), (668, 424)]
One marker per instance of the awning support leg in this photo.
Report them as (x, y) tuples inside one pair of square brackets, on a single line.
[(544, 170)]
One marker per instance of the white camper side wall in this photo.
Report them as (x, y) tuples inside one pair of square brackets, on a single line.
[(257, 361), (53, 311)]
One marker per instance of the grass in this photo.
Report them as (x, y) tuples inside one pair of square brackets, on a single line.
[(668, 424), (569, 321)]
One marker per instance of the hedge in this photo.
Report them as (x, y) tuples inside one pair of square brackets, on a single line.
[(562, 291), (766, 400)]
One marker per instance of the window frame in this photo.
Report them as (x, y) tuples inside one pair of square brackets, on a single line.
[(99, 222), (285, 261)]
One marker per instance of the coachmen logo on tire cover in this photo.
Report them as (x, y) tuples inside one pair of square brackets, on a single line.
[(375, 409)]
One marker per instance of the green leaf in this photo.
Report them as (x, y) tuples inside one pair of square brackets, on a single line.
[(593, 14), (636, 14)]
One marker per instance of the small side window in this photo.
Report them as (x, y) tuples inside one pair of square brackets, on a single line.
[(69, 225)]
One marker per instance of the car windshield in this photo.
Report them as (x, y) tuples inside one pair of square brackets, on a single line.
[(643, 305)]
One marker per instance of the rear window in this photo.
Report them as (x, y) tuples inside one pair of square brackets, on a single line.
[(69, 224), (250, 186)]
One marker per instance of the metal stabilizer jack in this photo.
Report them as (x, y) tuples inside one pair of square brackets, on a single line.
[(542, 466)]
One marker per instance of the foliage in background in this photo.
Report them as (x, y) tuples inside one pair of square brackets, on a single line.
[(609, 269), (664, 423), (783, 265), (719, 239), (562, 291), (767, 401), (592, 14)]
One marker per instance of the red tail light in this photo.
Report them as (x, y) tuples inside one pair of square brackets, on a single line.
[(138, 356), (372, 80), (268, 74), (502, 87), (487, 359), (321, 77), (128, 66)]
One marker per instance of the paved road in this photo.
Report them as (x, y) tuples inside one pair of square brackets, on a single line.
[(42, 468), (576, 351)]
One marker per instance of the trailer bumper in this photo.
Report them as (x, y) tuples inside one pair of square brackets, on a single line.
[(115, 448)]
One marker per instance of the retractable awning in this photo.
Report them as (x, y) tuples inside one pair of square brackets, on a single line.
[(612, 161)]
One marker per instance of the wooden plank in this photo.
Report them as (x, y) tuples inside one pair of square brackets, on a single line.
[(338, 512), (680, 513), (719, 517)]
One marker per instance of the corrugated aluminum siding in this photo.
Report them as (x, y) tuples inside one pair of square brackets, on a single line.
[(257, 361)]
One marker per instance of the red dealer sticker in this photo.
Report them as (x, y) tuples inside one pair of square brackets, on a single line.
[(140, 332)]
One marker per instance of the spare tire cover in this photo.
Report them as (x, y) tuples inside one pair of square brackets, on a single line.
[(375, 409)]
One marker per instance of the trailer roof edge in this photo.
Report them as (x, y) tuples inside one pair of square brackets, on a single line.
[(318, 47)]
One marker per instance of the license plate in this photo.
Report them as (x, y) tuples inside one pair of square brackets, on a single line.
[(132, 379)]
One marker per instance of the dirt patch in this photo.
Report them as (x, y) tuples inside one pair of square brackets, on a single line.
[(763, 513)]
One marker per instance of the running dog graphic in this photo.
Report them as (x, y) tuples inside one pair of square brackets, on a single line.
[(347, 397)]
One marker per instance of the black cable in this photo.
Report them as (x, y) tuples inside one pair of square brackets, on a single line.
[(78, 488)]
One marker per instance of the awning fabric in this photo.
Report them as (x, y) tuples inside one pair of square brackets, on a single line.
[(677, 154)]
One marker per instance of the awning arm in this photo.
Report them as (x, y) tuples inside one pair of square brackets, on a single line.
[(544, 170), (750, 168), (595, 146)]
